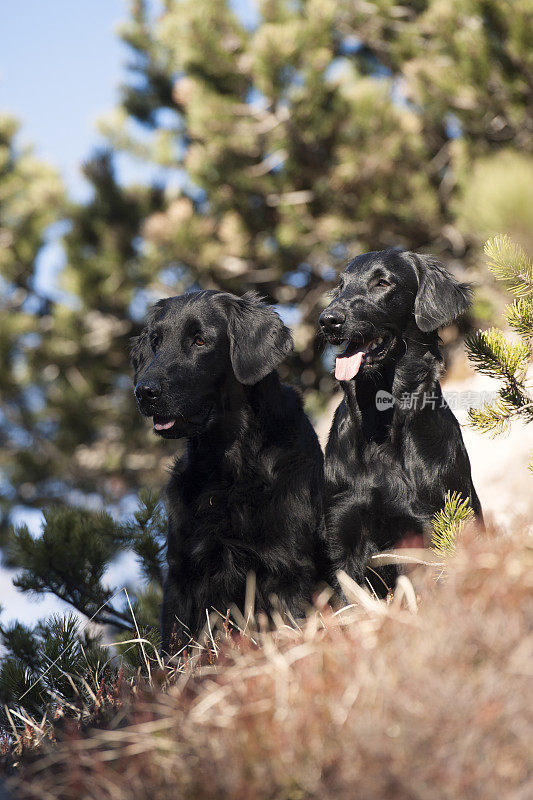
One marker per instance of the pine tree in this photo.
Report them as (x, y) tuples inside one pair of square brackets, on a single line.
[(61, 659), (494, 354)]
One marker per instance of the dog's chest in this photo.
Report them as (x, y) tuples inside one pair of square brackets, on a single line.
[(226, 516)]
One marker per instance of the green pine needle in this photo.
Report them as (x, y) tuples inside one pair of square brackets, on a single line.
[(510, 263), (449, 522), (520, 317), (492, 354), (494, 419), (513, 396)]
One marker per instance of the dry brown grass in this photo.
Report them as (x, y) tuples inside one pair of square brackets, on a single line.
[(376, 702)]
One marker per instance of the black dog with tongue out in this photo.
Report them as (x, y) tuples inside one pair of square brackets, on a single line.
[(395, 448), (247, 495)]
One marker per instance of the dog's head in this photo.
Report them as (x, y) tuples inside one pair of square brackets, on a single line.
[(380, 294), (192, 346)]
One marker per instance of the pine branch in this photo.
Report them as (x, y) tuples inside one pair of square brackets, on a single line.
[(449, 522), (510, 263), (69, 559), (495, 418), (515, 396), (49, 665), (520, 317), (497, 357), (492, 353), (82, 598), (147, 535)]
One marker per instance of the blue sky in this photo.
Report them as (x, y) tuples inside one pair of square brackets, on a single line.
[(60, 66), (61, 63)]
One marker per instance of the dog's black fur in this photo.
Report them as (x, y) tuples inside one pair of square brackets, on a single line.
[(247, 495), (388, 471)]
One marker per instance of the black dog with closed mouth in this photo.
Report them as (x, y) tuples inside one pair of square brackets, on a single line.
[(395, 448), (247, 495)]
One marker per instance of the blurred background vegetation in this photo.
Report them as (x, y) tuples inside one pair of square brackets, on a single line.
[(291, 139), (324, 129)]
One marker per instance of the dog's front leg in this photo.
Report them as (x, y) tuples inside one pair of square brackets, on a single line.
[(179, 609), (173, 633), (348, 501)]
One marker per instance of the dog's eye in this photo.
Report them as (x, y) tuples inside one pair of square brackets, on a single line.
[(199, 341), (382, 282)]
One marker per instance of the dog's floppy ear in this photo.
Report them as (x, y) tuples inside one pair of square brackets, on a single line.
[(440, 297), (259, 341)]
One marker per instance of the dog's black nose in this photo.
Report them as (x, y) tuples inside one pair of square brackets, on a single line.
[(147, 391), (332, 318)]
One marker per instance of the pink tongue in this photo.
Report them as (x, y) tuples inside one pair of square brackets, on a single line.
[(163, 426), (347, 367)]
